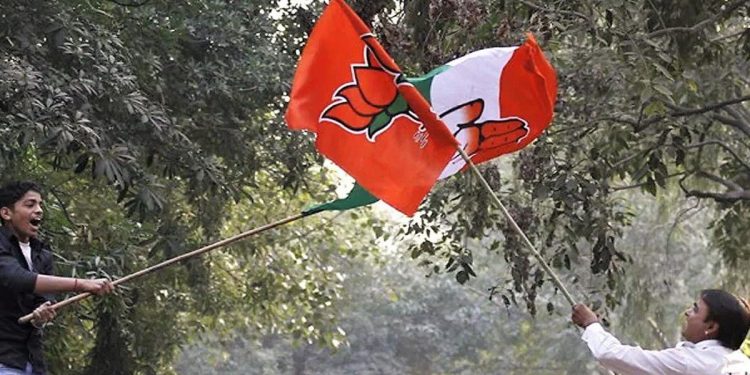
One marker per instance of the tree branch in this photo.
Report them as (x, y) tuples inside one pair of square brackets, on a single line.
[(728, 197), (627, 187), (63, 206), (736, 193), (727, 36), (683, 111), (622, 120), (735, 123), (722, 144), (720, 180), (483, 294), (559, 11), (678, 111), (97, 10), (743, 117), (130, 4), (629, 158), (683, 215), (743, 112), (698, 26), (738, 121)]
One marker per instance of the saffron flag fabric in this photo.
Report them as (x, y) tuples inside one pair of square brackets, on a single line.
[(367, 118), (492, 102)]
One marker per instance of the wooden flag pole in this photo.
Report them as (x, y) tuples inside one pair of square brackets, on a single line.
[(166, 263), (238, 237), (534, 252)]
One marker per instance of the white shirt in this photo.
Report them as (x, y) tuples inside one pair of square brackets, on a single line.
[(707, 357), (737, 364), (26, 250)]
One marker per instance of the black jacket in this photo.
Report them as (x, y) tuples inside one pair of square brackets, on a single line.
[(21, 343)]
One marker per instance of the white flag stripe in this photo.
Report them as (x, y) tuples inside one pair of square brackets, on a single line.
[(474, 76)]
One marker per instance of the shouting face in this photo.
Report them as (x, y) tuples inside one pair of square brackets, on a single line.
[(25, 216)]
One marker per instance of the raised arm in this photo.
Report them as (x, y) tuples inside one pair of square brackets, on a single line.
[(19, 279), (626, 359), (686, 358)]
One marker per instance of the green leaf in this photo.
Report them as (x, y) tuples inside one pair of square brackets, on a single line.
[(650, 185), (462, 277), (663, 90)]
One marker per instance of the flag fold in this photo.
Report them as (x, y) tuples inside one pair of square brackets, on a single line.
[(396, 135)]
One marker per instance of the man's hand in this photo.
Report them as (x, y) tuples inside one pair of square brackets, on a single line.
[(43, 314), (583, 316), (95, 286)]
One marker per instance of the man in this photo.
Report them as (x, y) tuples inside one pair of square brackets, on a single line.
[(26, 281), (715, 328)]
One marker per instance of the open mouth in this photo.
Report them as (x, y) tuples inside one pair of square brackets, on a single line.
[(35, 222)]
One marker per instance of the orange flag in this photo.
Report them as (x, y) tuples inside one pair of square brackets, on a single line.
[(368, 118)]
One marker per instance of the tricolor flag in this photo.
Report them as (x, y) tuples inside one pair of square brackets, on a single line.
[(494, 101), (371, 122), (367, 118)]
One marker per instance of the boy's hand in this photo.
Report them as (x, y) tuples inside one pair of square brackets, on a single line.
[(43, 314), (583, 316), (95, 286)]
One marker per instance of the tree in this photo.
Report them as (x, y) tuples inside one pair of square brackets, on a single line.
[(652, 96), (398, 321), (156, 128)]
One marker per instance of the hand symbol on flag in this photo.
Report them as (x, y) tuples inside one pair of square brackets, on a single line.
[(487, 137)]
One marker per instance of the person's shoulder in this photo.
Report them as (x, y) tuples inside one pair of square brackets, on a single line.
[(44, 247), (5, 244)]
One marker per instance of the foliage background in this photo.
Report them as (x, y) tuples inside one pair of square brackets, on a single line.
[(156, 127)]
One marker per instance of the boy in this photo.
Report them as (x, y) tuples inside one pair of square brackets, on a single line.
[(26, 281)]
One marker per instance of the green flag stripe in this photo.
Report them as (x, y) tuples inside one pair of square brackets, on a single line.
[(424, 82), (357, 197)]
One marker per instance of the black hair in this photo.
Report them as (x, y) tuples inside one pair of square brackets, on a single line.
[(14, 191), (731, 313)]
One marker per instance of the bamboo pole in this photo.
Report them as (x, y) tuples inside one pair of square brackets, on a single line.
[(238, 237), (532, 249), (168, 262)]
